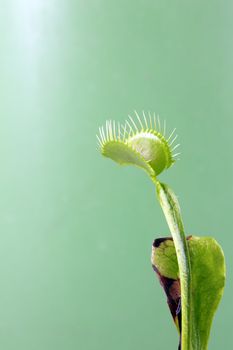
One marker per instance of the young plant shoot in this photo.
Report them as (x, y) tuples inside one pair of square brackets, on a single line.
[(190, 269)]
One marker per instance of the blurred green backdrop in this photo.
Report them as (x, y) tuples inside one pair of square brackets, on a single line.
[(76, 229)]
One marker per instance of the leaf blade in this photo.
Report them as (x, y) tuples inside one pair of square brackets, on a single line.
[(208, 280)]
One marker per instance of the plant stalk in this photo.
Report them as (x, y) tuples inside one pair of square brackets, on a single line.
[(171, 210)]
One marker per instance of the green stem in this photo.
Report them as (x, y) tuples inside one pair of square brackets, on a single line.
[(171, 209)]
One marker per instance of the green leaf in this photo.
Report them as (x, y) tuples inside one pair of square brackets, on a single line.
[(208, 279)]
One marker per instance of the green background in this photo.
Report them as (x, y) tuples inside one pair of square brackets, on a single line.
[(76, 229)]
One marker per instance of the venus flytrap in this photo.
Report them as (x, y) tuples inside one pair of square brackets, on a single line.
[(192, 282)]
